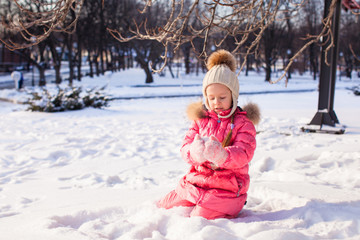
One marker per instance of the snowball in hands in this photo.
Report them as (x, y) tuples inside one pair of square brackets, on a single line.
[(197, 148), (214, 152)]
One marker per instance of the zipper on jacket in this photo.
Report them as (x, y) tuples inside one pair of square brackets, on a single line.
[(218, 120)]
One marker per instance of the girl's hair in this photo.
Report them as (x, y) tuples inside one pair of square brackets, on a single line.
[(227, 139)]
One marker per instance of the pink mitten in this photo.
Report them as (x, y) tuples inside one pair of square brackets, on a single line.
[(197, 149), (214, 152)]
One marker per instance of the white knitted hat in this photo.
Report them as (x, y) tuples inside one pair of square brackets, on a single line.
[(222, 65)]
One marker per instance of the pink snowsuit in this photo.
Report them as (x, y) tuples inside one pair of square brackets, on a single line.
[(222, 192)]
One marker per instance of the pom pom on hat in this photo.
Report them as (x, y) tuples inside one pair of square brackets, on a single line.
[(222, 65), (222, 57)]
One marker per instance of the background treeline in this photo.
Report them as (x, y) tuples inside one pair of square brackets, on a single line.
[(93, 45)]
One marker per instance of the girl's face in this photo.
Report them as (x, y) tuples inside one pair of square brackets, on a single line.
[(219, 97)]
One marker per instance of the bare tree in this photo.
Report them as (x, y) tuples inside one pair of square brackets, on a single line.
[(349, 43), (49, 16), (31, 23), (271, 47), (231, 18), (239, 19), (53, 42), (148, 51), (311, 25)]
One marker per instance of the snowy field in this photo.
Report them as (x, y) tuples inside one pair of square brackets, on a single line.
[(97, 173)]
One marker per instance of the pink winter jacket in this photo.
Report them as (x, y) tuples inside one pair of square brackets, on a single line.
[(223, 190)]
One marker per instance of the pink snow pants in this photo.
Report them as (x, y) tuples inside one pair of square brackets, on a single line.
[(172, 199)]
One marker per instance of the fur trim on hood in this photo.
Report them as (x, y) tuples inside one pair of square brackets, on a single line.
[(252, 112), (196, 111)]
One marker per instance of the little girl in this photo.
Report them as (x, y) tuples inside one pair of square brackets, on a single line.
[(218, 146)]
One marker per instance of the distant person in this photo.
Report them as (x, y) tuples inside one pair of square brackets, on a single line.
[(18, 79), (219, 146)]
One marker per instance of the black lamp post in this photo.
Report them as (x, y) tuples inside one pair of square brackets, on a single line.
[(326, 114)]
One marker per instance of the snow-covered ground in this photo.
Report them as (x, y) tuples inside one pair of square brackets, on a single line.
[(97, 173)]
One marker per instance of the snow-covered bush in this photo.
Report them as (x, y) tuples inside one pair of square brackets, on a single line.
[(70, 98)]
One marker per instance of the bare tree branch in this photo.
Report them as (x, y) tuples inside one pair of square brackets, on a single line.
[(231, 18), (50, 17), (241, 20)]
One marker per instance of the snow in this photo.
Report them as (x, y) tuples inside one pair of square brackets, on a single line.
[(97, 173)]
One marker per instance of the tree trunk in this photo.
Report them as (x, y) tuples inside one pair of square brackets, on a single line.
[(57, 74), (186, 51), (197, 68), (313, 62), (268, 70), (171, 72), (268, 74), (145, 65), (349, 65), (56, 57), (96, 66), (42, 80), (79, 61), (170, 68), (122, 62), (71, 61), (149, 77), (106, 60), (91, 73), (289, 71), (102, 51), (247, 65)]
